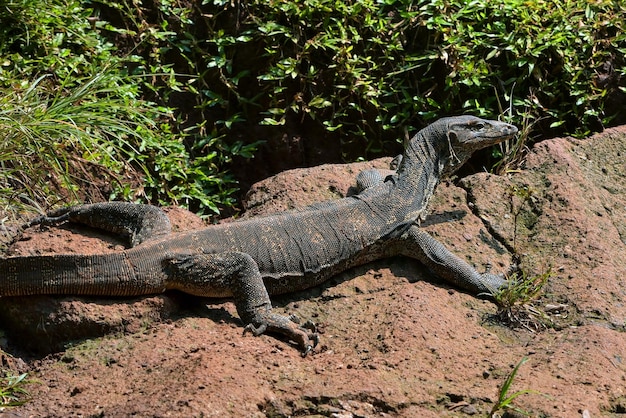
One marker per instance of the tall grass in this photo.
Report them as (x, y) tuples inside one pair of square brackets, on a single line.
[(54, 140)]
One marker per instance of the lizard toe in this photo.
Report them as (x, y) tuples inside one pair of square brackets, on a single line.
[(314, 340), (310, 325), (254, 329), (304, 336)]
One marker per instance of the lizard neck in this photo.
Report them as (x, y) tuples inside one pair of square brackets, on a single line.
[(402, 199), (419, 173)]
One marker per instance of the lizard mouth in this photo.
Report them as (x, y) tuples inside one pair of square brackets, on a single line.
[(508, 131), (487, 137)]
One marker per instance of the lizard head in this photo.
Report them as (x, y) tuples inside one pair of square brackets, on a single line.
[(463, 135)]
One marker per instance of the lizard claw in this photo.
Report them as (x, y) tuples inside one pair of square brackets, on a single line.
[(498, 282), (492, 283), (316, 340), (304, 335)]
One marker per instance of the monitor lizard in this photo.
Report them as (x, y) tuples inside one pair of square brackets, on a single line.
[(251, 259)]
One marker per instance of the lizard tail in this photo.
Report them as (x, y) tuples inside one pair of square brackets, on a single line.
[(94, 275)]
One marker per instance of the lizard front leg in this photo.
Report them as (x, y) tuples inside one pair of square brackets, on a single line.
[(236, 274), (417, 243)]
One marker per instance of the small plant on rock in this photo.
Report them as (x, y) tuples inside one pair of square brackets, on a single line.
[(515, 307), (12, 391), (505, 400)]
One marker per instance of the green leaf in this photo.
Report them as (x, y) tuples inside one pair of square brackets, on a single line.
[(273, 122), (319, 102)]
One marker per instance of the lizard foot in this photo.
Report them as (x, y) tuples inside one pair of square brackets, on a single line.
[(46, 220), (491, 284), (497, 282), (305, 336)]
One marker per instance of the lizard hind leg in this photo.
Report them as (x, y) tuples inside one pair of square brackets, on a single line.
[(236, 274), (135, 222)]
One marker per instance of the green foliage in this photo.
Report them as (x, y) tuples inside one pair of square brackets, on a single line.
[(48, 133), (12, 391), (74, 117), (202, 82), (558, 59), (365, 70), (521, 290), (339, 68)]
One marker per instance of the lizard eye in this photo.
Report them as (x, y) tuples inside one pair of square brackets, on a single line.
[(477, 126)]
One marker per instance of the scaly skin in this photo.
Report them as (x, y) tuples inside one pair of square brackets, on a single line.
[(253, 259)]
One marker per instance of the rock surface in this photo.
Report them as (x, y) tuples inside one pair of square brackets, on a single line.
[(395, 341)]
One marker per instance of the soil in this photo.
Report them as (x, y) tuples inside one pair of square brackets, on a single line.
[(395, 341)]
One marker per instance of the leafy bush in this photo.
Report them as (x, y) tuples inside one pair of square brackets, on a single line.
[(187, 86), (559, 59), (73, 118), (367, 71)]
